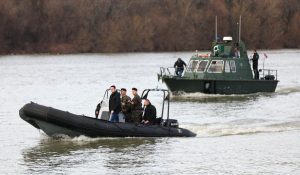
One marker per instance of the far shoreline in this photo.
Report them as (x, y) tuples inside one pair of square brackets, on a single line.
[(144, 52)]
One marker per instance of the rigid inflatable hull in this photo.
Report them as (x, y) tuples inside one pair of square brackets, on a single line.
[(55, 122)]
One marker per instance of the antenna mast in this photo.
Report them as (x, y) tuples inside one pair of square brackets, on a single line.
[(216, 29), (240, 24)]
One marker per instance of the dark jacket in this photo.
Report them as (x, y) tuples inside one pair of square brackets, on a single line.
[(179, 64), (150, 113), (255, 60), (115, 102)]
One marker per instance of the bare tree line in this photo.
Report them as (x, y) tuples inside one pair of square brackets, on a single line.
[(76, 26)]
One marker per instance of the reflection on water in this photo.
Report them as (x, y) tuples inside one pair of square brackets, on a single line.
[(57, 154), (52, 146), (206, 98)]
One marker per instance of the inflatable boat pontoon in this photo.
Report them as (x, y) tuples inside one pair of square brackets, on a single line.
[(55, 122)]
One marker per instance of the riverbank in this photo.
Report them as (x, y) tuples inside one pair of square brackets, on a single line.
[(77, 26)]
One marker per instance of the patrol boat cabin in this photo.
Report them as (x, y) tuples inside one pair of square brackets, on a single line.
[(225, 70)]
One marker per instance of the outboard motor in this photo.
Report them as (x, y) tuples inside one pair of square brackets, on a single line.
[(269, 77), (171, 123)]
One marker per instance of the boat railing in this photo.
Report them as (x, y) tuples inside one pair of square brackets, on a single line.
[(167, 71), (268, 74)]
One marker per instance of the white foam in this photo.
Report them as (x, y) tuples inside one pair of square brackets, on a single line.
[(78, 140), (227, 129), (288, 90), (202, 96)]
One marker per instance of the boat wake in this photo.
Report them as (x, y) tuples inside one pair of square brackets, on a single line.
[(78, 140), (240, 127), (287, 91), (74, 143), (236, 127), (85, 140), (201, 97)]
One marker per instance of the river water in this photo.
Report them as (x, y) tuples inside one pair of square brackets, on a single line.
[(236, 134)]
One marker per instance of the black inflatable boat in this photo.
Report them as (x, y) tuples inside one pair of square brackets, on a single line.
[(55, 122)]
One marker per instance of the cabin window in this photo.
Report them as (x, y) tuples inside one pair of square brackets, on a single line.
[(202, 66), (193, 65), (227, 67), (216, 66), (232, 66)]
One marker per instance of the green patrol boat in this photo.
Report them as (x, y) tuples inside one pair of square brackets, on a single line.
[(225, 70)]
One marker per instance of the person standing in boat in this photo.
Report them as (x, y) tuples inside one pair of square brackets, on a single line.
[(179, 67), (149, 114), (114, 104), (255, 58), (136, 106), (125, 104), (236, 53)]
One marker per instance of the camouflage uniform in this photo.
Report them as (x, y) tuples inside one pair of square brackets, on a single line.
[(126, 107), (136, 109)]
